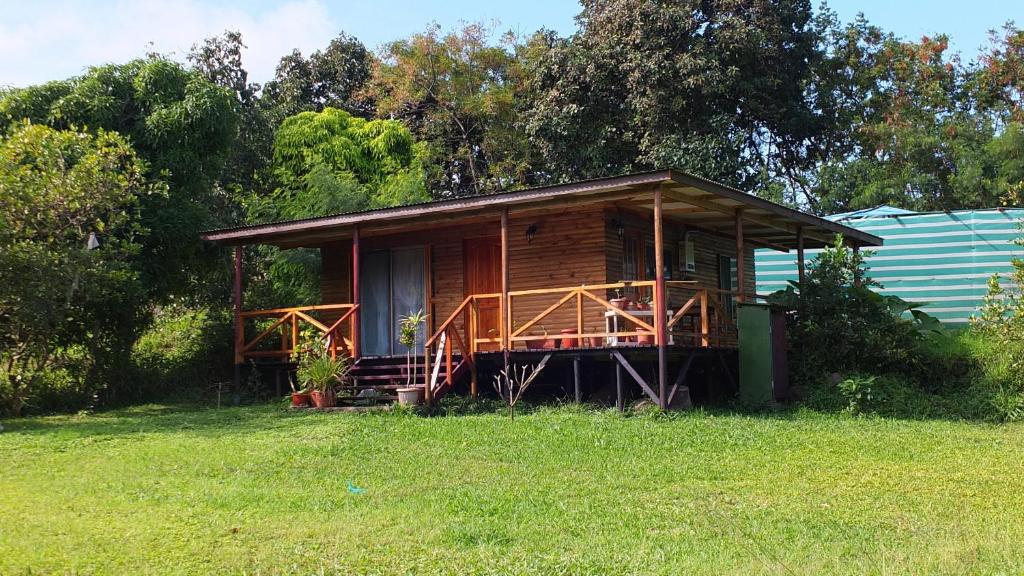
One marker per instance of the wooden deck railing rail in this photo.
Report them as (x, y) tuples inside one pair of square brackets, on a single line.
[(579, 295), (289, 320), (458, 333)]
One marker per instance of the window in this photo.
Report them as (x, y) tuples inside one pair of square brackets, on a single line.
[(649, 263), (727, 282), (630, 268), (688, 262)]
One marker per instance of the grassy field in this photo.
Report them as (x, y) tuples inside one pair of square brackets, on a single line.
[(177, 490)]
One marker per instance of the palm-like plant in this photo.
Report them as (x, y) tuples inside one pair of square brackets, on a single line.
[(408, 328), (317, 370)]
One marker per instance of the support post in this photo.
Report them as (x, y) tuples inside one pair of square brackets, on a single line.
[(660, 306), (355, 295), (620, 399), (577, 389), (506, 320), (740, 253), (800, 254), (239, 326)]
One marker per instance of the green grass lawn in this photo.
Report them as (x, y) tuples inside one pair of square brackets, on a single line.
[(165, 490)]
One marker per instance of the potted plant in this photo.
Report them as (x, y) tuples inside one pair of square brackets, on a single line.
[(567, 340), (300, 396), (644, 303), (619, 301), (408, 328), (539, 344), (596, 341), (645, 338), (319, 373)]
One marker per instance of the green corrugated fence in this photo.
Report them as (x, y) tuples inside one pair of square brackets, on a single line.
[(943, 259)]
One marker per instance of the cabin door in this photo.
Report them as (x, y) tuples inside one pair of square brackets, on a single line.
[(483, 276), (391, 287)]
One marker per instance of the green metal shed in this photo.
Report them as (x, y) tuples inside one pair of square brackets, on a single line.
[(943, 259)]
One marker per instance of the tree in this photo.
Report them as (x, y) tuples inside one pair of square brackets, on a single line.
[(329, 78), (324, 163), (69, 241), (712, 87), (181, 124), (219, 60), (460, 94)]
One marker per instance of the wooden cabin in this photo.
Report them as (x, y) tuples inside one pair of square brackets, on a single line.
[(545, 274)]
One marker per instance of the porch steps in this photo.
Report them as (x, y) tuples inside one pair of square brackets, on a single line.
[(385, 375)]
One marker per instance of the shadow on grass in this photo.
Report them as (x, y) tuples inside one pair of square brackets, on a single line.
[(205, 420), (162, 418)]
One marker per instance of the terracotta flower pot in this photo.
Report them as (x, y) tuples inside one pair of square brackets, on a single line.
[(323, 399), (619, 303), (645, 339), (596, 341), (630, 305), (643, 306), (300, 399), (535, 344), (567, 341)]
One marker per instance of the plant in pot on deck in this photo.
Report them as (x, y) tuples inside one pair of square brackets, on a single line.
[(320, 373), (408, 328)]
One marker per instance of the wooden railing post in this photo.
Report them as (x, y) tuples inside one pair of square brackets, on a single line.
[(660, 305), (704, 340), (295, 332), (474, 315), (448, 360), (428, 394), (239, 322), (579, 317), (506, 313), (355, 294)]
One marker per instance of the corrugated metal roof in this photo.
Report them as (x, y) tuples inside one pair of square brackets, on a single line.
[(773, 224), (877, 211)]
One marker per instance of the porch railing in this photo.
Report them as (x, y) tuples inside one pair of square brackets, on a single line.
[(578, 296), (457, 334), (287, 324)]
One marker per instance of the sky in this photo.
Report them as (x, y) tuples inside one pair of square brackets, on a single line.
[(44, 40)]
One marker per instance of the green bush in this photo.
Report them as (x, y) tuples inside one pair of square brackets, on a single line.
[(184, 349)]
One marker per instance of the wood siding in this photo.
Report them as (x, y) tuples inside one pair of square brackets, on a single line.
[(572, 246)]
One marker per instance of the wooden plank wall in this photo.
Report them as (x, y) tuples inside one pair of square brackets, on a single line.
[(707, 248), (567, 250)]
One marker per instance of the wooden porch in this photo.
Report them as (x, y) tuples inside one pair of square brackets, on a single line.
[(504, 275)]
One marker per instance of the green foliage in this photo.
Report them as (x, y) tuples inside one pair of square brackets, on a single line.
[(334, 161), (183, 349), (1000, 331), (409, 328), (181, 124), (329, 162), (860, 393), (463, 95), (841, 325), (68, 302), (317, 370), (716, 88)]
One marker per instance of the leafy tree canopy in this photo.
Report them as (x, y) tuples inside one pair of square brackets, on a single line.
[(179, 122), (69, 253), (461, 94), (708, 86)]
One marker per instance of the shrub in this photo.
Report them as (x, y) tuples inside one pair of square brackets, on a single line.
[(839, 325), (1000, 345), (184, 349)]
